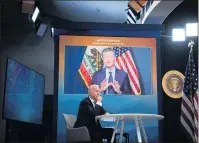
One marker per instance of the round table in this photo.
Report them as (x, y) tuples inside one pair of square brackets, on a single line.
[(137, 118)]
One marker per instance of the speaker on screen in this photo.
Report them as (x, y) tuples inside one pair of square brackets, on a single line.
[(24, 93)]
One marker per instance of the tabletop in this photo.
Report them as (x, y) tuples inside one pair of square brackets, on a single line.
[(114, 117)]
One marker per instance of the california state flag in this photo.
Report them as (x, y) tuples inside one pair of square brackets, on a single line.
[(91, 63)]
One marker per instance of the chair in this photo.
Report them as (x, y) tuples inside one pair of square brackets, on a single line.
[(74, 135)]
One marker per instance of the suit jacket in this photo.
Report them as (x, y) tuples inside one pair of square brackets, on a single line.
[(87, 113), (120, 76)]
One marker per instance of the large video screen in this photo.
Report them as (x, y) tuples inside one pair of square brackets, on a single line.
[(117, 68), (125, 68), (24, 93)]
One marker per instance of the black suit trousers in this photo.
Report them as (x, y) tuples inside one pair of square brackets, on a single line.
[(101, 133)]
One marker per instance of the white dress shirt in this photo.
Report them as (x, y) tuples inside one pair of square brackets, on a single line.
[(108, 74), (99, 103)]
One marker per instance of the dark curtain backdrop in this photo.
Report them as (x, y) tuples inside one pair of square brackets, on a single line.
[(175, 57)]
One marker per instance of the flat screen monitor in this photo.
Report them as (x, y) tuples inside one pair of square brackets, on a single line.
[(24, 93)]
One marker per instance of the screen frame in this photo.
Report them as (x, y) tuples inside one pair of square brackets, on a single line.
[(93, 29), (4, 95)]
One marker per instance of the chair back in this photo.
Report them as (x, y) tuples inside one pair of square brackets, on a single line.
[(70, 120)]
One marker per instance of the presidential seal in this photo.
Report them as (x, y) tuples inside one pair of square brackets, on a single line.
[(172, 84)]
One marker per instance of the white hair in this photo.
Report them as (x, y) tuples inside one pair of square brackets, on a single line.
[(91, 87)]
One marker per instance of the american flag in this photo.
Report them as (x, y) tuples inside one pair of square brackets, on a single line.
[(189, 106), (124, 61)]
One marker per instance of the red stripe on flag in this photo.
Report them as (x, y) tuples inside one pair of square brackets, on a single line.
[(188, 106), (196, 106), (132, 65), (196, 113), (130, 75), (195, 132), (196, 97), (119, 64), (85, 75)]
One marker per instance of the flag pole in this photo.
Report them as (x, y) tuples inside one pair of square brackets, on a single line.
[(198, 95), (190, 45)]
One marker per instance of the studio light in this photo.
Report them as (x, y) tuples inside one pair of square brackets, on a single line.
[(178, 35), (41, 29), (52, 30), (35, 14), (191, 29)]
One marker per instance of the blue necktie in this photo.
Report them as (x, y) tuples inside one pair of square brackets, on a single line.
[(110, 88), (110, 77)]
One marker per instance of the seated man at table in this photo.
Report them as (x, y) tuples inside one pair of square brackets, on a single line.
[(89, 108)]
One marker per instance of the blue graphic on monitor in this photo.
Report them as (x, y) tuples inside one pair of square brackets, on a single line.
[(24, 94)]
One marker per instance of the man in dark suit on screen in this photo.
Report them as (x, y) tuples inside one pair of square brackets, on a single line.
[(89, 108), (110, 79)]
